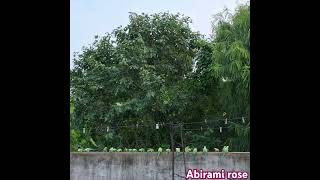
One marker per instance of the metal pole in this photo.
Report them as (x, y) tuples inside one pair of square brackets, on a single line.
[(172, 147), (183, 150)]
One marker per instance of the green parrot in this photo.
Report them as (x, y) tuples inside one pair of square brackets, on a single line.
[(195, 150), (225, 149), (159, 151), (134, 150), (141, 150), (88, 149), (119, 150), (112, 149), (150, 150), (205, 150), (187, 149), (168, 150), (105, 149), (80, 150)]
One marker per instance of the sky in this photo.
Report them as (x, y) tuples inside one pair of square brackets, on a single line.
[(97, 17)]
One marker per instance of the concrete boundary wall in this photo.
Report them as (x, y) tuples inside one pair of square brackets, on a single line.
[(150, 166)]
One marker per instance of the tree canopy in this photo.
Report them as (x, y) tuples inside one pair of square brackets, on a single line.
[(156, 70)]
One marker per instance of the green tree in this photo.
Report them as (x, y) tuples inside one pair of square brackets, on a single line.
[(231, 63), (231, 59), (220, 83), (157, 70), (134, 76)]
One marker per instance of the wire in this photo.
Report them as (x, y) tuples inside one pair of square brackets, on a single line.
[(214, 120), (174, 124), (203, 129)]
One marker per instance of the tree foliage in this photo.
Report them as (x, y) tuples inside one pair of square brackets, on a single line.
[(157, 70)]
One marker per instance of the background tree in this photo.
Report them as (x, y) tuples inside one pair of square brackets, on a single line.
[(231, 63)]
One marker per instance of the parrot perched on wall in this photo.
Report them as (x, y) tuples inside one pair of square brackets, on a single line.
[(205, 150), (168, 150), (134, 150), (225, 149), (141, 150), (80, 150), (119, 150), (195, 150), (159, 151), (150, 150), (88, 149), (187, 149), (216, 150), (112, 149), (105, 149)]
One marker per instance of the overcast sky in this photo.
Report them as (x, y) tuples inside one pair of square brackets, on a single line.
[(96, 17)]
